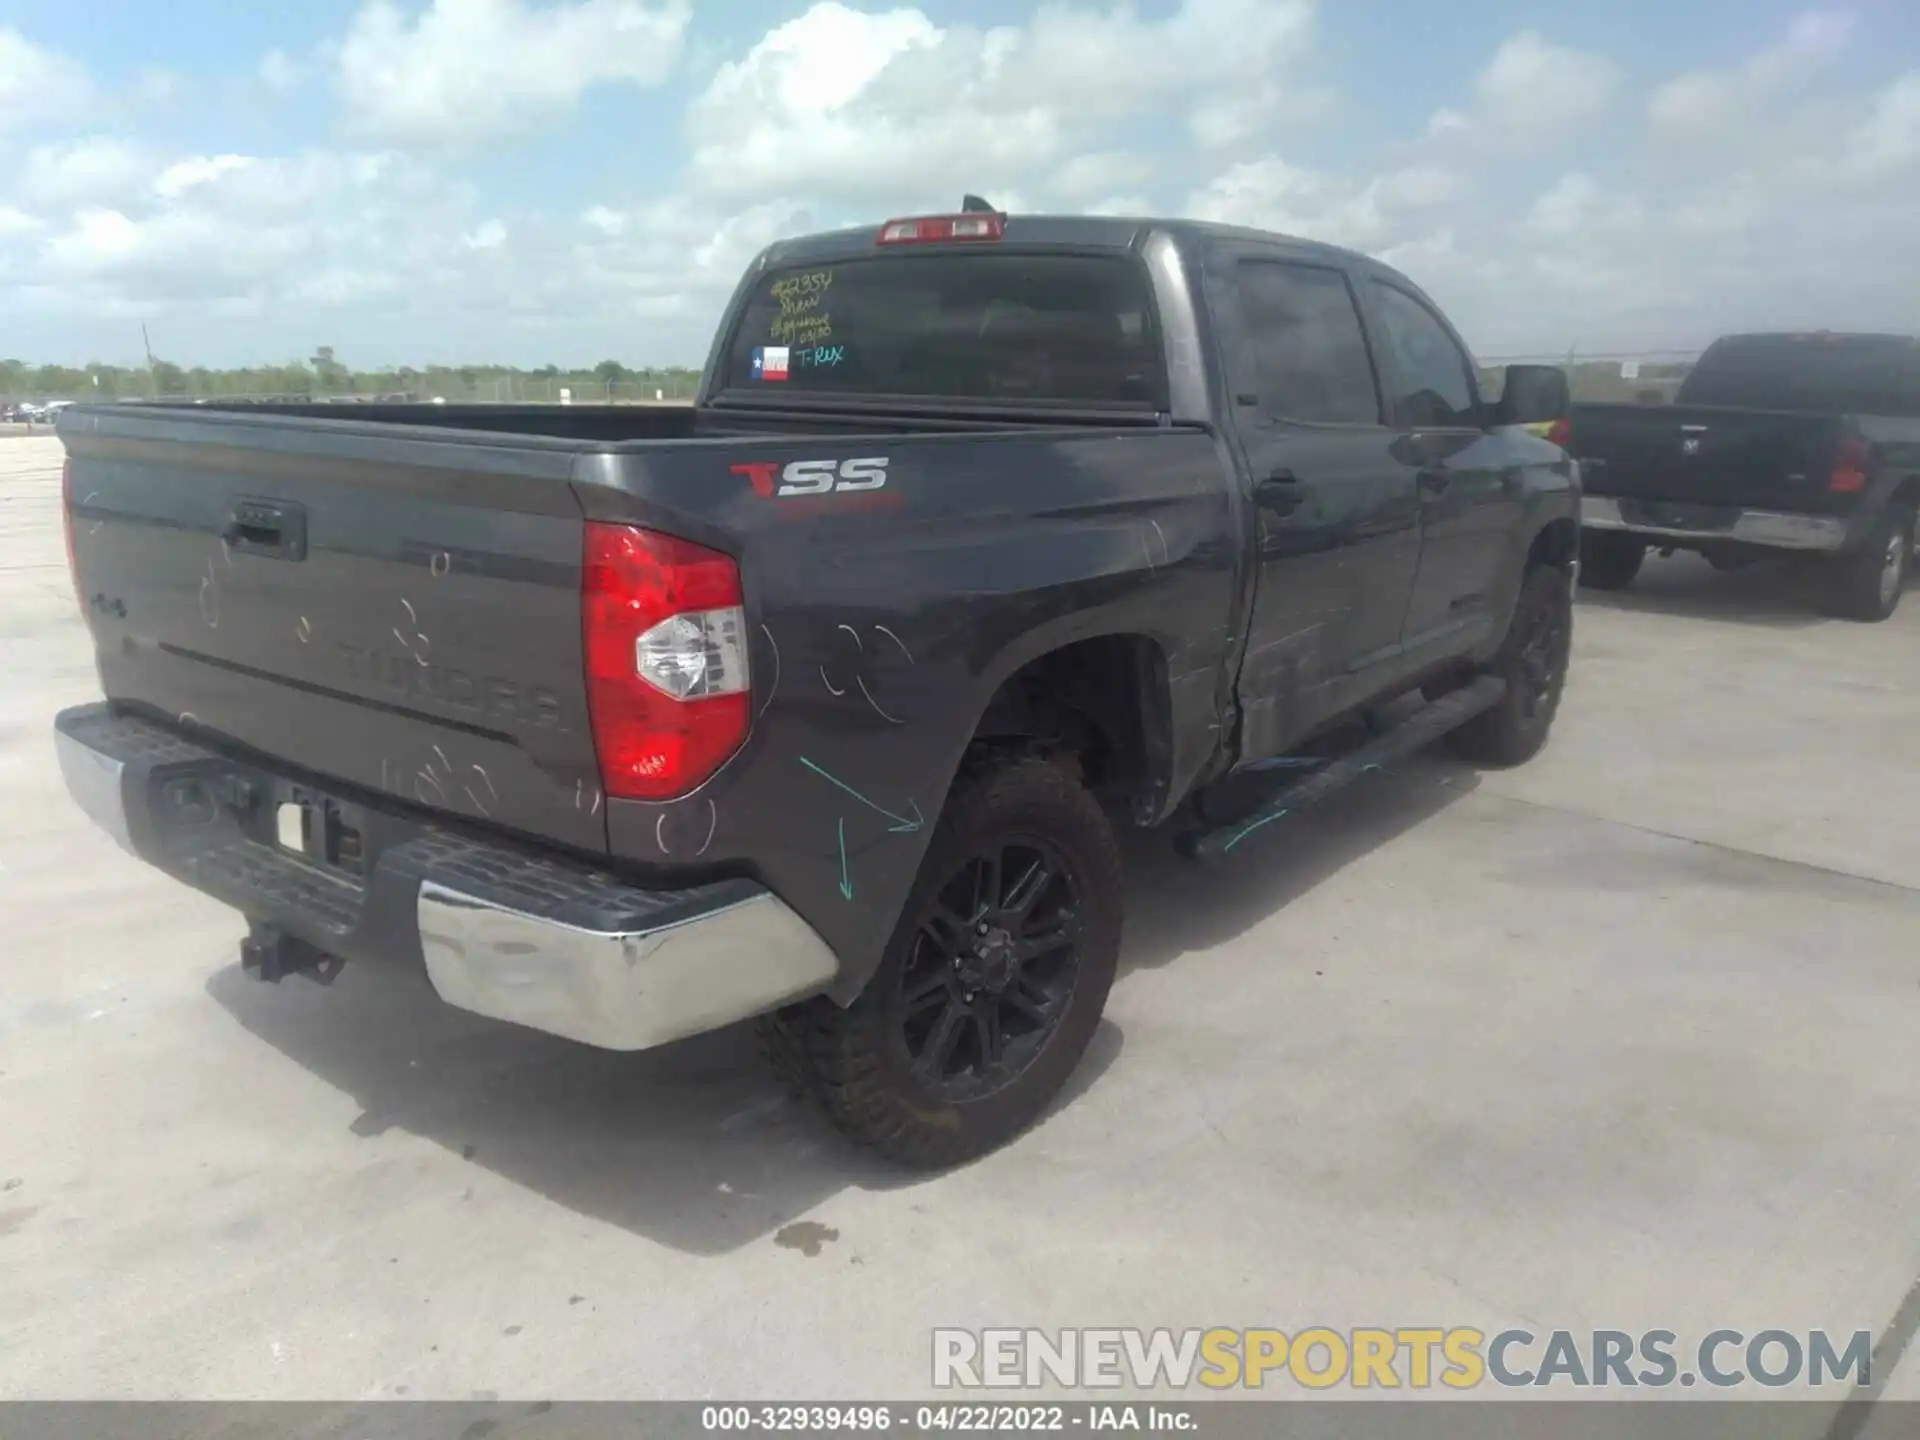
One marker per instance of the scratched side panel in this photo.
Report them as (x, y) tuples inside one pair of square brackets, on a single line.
[(427, 646), (884, 620)]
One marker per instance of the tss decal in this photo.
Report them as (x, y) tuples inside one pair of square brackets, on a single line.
[(814, 477)]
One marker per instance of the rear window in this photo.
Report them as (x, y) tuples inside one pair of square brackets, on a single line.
[(1858, 375), (995, 327)]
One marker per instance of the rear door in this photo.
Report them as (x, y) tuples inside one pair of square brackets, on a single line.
[(1335, 514), (1469, 503), (393, 609)]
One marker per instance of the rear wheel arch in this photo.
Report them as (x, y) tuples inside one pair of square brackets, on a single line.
[(1104, 700), (1098, 706), (1556, 543)]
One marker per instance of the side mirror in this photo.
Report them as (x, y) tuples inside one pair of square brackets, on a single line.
[(1533, 395)]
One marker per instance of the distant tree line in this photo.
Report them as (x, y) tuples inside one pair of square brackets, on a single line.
[(322, 376)]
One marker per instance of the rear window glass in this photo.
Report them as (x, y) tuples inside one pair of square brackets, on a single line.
[(1860, 376), (995, 327)]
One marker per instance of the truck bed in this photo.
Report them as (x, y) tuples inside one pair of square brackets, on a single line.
[(390, 599)]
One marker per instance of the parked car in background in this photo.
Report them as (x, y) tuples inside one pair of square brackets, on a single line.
[(822, 697), (1804, 444)]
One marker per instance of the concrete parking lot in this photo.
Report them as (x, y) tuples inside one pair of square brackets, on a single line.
[(1623, 1038)]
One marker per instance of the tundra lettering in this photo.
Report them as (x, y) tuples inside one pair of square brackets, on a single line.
[(498, 700)]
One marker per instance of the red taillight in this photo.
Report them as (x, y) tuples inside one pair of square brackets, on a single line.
[(1849, 474), (926, 229), (1560, 432), (66, 518), (665, 637)]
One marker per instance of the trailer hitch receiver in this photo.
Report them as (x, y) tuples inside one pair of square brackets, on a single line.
[(270, 954)]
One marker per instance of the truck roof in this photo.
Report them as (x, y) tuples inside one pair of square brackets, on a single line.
[(1081, 232)]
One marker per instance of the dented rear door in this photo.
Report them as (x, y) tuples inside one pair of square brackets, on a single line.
[(396, 609)]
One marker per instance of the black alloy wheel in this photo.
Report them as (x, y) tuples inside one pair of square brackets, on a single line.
[(1542, 666), (1533, 660), (992, 984), (991, 969)]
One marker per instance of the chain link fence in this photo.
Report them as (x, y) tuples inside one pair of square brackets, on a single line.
[(1648, 379)]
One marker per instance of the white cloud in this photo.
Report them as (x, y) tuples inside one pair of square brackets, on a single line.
[(97, 240), (604, 219), (488, 235), (1577, 204), (372, 248), (155, 87), (279, 70), (1376, 214), (183, 175), (1531, 94), (1102, 172), (849, 105), (98, 169), (675, 258), (37, 84), (1769, 188), (1889, 138), (471, 71), (255, 230), (1704, 101), (1799, 225)]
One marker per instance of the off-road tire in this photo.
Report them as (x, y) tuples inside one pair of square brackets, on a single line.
[(1609, 559), (854, 1061), (1533, 661), (1866, 584)]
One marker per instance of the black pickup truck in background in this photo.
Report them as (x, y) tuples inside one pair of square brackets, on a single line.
[(818, 701), (1790, 444)]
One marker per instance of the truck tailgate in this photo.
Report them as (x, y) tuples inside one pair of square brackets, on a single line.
[(400, 614), (1706, 455)]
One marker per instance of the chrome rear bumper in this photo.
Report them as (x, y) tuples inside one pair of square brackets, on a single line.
[(1774, 529), (620, 990), (536, 938)]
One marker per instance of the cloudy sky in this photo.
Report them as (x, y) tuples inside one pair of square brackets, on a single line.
[(570, 180)]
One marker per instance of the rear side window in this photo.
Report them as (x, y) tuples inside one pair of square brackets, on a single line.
[(1431, 372), (1861, 375), (995, 327), (1309, 355)]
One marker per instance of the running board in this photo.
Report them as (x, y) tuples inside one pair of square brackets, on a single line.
[(1416, 732)]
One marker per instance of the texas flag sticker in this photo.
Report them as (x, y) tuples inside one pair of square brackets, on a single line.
[(770, 362)]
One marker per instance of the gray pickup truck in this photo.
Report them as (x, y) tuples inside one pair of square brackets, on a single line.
[(1801, 445), (819, 701)]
